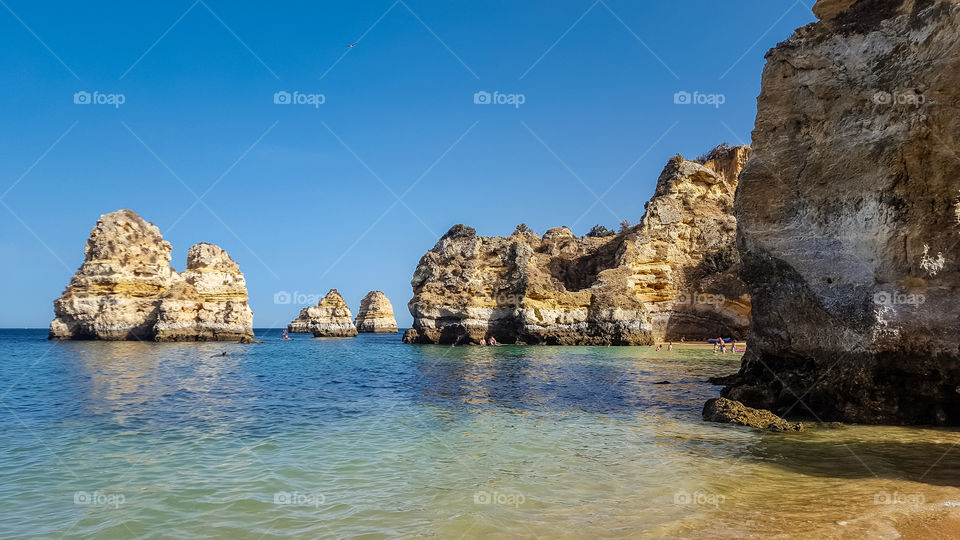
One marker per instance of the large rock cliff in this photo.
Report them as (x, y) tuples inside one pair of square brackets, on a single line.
[(673, 275), (376, 315), (331, 317), (127, 290), (849, 220)]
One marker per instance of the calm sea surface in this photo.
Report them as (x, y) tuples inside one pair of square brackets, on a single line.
[(369, 437)]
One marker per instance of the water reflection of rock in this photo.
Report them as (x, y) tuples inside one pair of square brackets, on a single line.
[(534, 378), (134, 382)]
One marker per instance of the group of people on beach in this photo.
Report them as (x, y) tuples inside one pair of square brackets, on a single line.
[(719, 346), (492, 342)]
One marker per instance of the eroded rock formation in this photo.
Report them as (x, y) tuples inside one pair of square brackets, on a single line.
[(672, 275), (376, 315), (849, 220), (127, 290), (331, 317)]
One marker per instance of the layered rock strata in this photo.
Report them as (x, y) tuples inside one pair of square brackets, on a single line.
[(376, 315), (331, 317), (127, 290), (849, 220), (673, 275)]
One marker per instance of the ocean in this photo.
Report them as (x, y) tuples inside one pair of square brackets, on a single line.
[(368, 437)]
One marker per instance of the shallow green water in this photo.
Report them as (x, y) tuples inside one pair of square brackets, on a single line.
[(369, 437)]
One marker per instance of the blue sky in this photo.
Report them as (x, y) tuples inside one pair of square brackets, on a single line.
[(350, 193)]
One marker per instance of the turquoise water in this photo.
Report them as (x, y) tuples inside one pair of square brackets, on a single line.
[(372, 438)]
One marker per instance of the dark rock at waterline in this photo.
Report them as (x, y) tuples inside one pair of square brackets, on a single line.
[(662, 382), (724, 380), (410, 336), (727, 411)]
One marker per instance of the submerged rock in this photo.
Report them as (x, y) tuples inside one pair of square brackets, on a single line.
[(673, 275), (849, 220), (725, 410), (376, 315), (127, 290), (329, 318)]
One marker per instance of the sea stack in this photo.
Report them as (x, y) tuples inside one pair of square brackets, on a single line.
[(329, 318), (674, 275), (849, 220), (127, 290), (376, 315)]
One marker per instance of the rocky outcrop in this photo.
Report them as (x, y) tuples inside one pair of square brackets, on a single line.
[(329, 318), (673, 275), (376, 315), (127, 290), (849, 220), (727, 411)]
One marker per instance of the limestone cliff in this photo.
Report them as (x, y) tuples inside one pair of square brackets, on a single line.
[(849, 220), (329, 318), (376, 315), (127, 290), (672, 275)]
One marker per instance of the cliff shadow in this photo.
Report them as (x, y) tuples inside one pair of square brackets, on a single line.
[(839, 455)]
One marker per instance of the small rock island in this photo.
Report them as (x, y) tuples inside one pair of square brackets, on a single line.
[(127, 290), (331, 317), (376, 315)]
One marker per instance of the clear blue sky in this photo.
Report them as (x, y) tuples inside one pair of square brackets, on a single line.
[(305, 197)]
